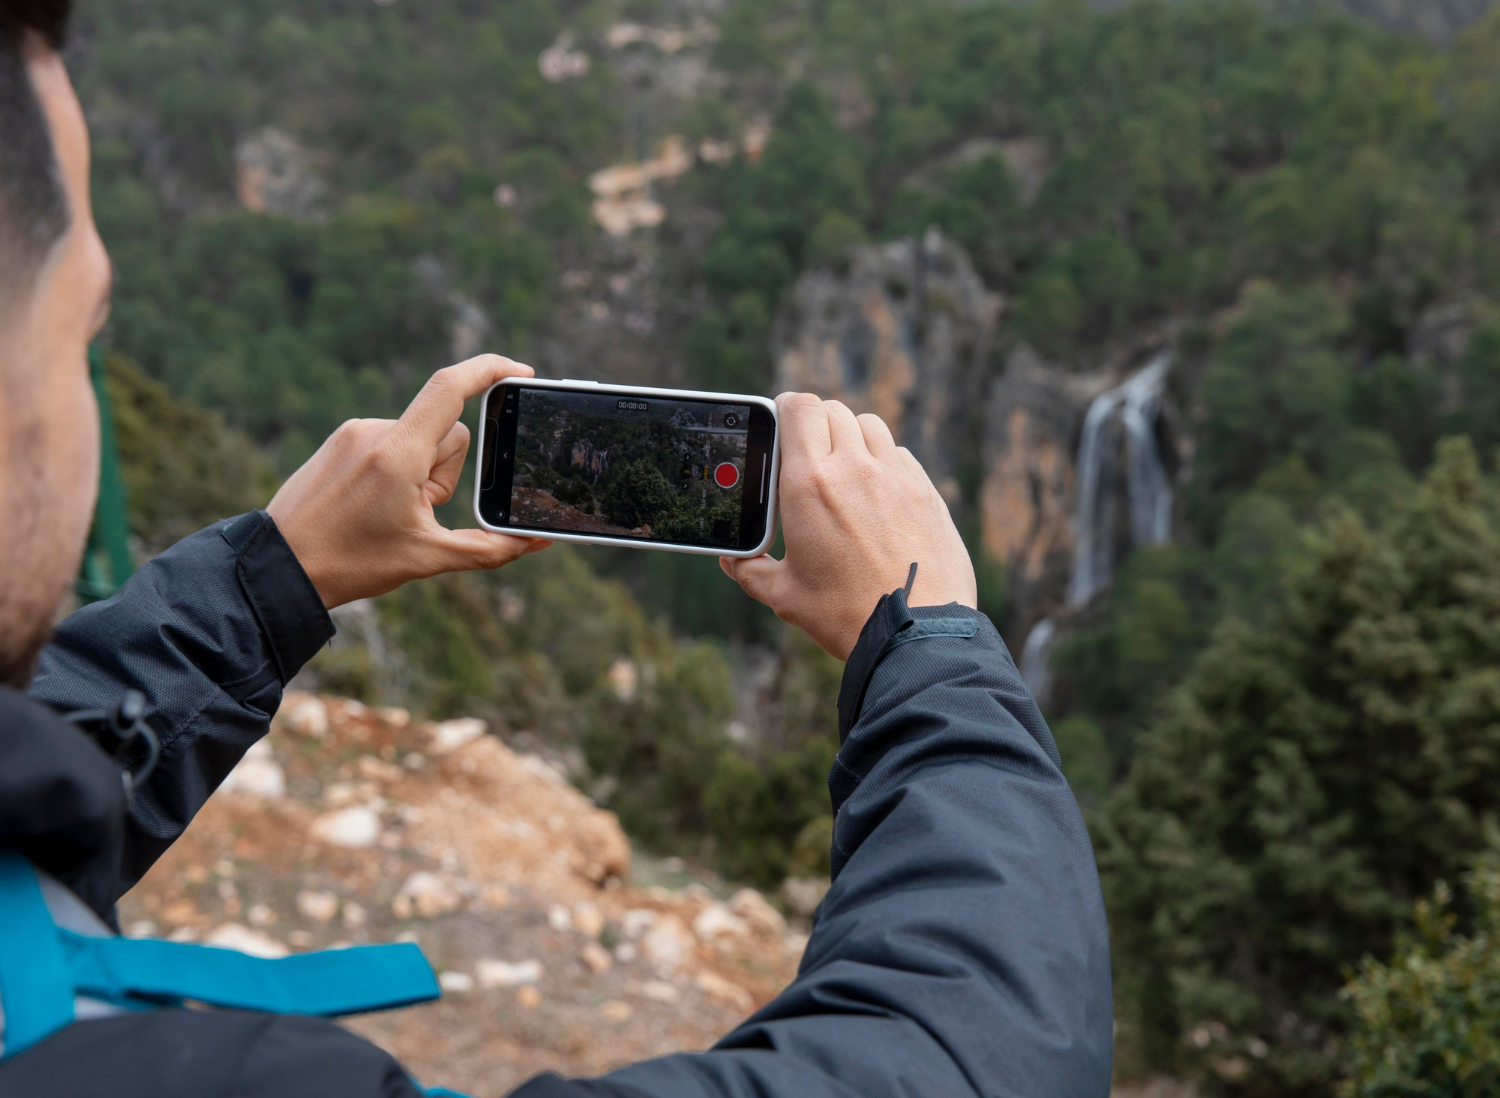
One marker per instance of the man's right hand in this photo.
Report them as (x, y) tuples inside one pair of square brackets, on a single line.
[(359, 515), (856, 512)]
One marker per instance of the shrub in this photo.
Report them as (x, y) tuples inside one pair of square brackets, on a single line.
[(1428, 1022)]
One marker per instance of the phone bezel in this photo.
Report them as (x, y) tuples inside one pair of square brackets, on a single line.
[(773, 476)]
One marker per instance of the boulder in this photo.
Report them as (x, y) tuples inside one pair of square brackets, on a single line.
[(258, 774), (355, 827), (492, 973)]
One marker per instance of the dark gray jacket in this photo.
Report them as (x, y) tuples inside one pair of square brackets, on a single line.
[(962, 949)]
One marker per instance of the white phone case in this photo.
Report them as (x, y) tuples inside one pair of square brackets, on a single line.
[(768, 479)]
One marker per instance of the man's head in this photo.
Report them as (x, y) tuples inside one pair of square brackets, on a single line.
[(54, 297)]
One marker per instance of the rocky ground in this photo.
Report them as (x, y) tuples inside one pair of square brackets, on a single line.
[(353, 825), (557, 950)]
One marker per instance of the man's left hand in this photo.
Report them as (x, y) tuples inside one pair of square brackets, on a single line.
[(359, 515)]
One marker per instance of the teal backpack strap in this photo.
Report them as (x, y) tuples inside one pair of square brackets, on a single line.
[(42, 968), (35, 989), (341, 981)]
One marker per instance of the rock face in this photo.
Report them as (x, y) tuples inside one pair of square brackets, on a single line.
[(276, 175), (1028, 495), (906, 334), (909, 332), (515, 885)]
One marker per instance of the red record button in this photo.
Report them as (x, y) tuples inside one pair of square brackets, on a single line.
[(727, 475)]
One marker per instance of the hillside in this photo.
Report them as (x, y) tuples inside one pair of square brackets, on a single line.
[(350, 825), (1178, 303)]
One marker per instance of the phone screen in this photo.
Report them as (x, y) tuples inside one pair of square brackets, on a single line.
[(625, 465)]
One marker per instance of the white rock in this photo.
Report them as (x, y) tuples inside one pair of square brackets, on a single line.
[(451, 735), (354, 915), (307, 716), (795, 944), (339, 794), (716, 920), (260, 915), (352, 827), (552, 775), (724, 990), (666, 944), (756, 910), (317, 905), (141, 928), (597, 957), (637, 921), (804, 894), (616, 1011), (588, 919), (660, 991), (626, 952), (430, 895), (493, 974), (258, 774), (623, 678), (378, 769), (559, 918), (244, 940), (458, 983)]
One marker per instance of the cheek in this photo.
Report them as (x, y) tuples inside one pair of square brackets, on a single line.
[(71, 463)]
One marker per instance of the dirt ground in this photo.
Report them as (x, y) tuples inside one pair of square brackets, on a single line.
[(556, 952)]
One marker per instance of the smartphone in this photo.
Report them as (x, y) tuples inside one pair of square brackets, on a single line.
[(605, 464)]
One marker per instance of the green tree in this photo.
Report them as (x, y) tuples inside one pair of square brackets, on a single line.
[(639, 495), (1309, 778)]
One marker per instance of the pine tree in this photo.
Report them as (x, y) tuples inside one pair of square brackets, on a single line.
[(1304, 786)]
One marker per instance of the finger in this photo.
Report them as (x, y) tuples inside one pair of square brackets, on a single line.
[(803, 428), (843, 429), (909, 459), (435, 410), (473, 550), (760, 577), (878, 436), (448, 465)]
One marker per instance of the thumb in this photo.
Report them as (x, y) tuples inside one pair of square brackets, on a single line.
[(760, 577), (473, 550)]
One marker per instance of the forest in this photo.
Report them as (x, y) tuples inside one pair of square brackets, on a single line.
[(1283, 724), (613, 468)]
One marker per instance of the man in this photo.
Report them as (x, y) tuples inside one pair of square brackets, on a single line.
[(962, 949)]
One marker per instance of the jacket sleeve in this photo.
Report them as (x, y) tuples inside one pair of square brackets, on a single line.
[(210, 631), (962, 949)]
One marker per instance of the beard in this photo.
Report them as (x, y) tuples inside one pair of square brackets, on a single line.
[(19, 665), (37, 561)]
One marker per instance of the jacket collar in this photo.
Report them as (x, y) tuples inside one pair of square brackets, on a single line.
[(62, 801)]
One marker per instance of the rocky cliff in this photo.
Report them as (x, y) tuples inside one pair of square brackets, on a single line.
[(1063, 464)]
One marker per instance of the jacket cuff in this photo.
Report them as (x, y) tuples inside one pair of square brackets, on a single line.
[(286, 604), (891, 616)]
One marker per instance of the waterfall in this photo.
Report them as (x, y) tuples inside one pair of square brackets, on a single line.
[(1036, 659), (1130, 409), (1127, 413)]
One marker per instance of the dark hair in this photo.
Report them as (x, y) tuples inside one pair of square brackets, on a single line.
[(33, 206)]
